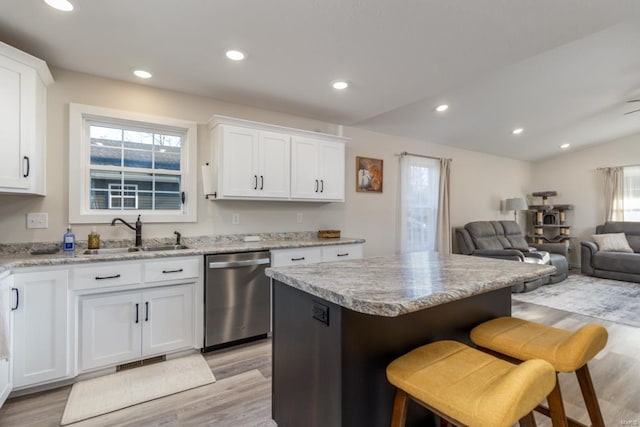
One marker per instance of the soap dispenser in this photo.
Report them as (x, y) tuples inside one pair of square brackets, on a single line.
[(69, 242), (93, 242)]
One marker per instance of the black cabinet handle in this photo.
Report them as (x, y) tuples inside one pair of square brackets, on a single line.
[(172, 271), (17, 299), (255, 185), (262, 182), (26, 174), (137, 320), (322, 185), (344, 254), (316, 186), (183, 197), (297, 259), (146, 311), (107, 277)]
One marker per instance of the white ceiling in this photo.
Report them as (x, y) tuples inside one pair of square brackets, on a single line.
[(562, 70)]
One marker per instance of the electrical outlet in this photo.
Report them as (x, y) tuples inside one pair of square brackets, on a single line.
[(37, 220), (235, 218), (320, 312), (299, 218)]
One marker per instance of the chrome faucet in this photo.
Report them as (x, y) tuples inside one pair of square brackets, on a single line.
[(137, 229), (178, 236)]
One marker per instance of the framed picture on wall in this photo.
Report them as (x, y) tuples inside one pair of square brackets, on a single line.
[(368, 175)]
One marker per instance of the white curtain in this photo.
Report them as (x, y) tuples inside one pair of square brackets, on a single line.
[(613, 194), (443, 220), (419, 183)]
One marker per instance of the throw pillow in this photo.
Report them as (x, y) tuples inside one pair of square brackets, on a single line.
[(612, 242)]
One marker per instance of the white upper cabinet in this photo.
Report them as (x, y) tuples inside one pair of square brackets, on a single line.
[(23, 82), (317, 169), (255, 161), (253, 164)]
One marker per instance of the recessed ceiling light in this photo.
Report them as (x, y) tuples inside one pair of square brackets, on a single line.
[(235, 55), (442, 108), (63, 5), (517, 131), (565, 145), (340, 85), (142, 74)]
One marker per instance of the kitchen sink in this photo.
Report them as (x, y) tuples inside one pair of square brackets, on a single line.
[(163, 248), (109, 251)]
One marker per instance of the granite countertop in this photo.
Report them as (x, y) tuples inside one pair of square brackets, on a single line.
[(396, 285), (17, 256)]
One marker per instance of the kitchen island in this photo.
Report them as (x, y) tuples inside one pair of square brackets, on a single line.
[(336, 326)]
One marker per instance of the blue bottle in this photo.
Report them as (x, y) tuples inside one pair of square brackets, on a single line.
[(69, 242)]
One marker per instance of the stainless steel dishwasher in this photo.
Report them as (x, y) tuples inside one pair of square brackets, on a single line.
[(237, 297)]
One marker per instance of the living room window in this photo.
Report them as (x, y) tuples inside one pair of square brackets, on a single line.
[(125, 164), (631, 183), (419, 202)]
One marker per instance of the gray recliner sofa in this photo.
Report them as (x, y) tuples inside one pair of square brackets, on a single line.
[(504, 240), (613, 265)]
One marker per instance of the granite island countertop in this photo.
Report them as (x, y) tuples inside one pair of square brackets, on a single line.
[(15, 256), (396, 285)]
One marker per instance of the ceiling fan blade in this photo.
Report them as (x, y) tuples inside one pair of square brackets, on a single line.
[(631, 112)]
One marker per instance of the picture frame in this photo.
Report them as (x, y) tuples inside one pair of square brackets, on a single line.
[(369, 175)]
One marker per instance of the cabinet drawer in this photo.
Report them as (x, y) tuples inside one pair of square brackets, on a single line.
[(171, 269), (298, 256), (105, 275), (341, 252)]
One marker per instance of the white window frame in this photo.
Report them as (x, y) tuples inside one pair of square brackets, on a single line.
[(79, 166)]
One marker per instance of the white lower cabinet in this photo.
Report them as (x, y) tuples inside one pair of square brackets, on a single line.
[(39, 327), (315, 254), (124, 326), (6, 353)]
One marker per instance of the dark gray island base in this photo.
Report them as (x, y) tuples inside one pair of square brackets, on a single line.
[(333, 339)]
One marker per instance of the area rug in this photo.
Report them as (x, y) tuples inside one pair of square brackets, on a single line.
[(98, 396), (612, 300)]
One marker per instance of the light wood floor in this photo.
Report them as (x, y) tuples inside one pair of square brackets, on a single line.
[(242, 394)]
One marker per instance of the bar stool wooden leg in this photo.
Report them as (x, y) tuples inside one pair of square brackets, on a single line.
[(589, 395), (528, 420), (400, 404), (556, 407)]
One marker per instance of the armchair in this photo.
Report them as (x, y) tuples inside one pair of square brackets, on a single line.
[(504, 240)]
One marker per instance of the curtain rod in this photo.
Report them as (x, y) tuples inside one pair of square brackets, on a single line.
[(404, 153), (621, 166)]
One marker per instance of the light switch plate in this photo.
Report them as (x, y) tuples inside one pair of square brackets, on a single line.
[(38, 220)]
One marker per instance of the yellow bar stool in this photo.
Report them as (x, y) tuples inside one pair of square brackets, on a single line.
[(468, 387), (567, 351)]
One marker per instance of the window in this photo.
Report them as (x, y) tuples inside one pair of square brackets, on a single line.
[(631, 184), (419, 203), (123, 163)]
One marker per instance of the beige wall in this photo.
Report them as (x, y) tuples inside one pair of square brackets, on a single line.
[(479, 181), (575, 177)]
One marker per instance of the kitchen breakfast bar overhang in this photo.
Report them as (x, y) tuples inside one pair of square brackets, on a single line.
[(336, 326)]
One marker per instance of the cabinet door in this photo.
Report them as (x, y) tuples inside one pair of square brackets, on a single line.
[(6, 354), (110, 330), (167, 319), (331, 170), (17, 123), (239, 156), (305, 182), (40, 327), (274, 165)]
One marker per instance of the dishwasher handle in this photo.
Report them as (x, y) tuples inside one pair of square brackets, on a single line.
[(247, 263)]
